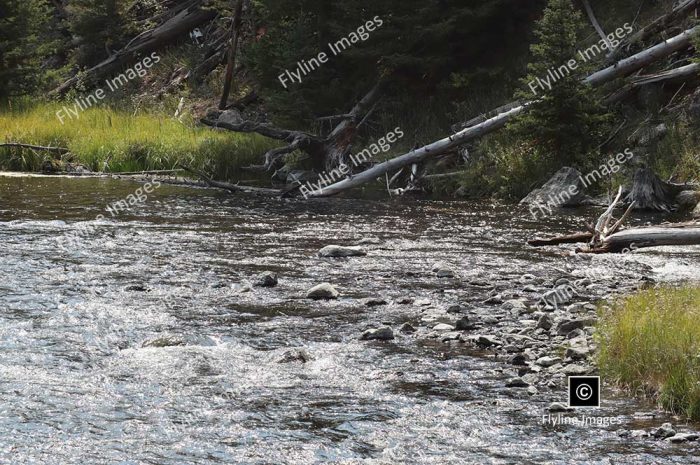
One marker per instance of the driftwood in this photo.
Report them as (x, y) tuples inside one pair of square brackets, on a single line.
[(235, 188), (606, 236), (622, 68), (190, 15), (329, 151)]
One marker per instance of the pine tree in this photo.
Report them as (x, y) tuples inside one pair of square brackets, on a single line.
[(98, 27), (22, 45), (565, 122)]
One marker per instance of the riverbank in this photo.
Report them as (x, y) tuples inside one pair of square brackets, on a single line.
[(650, 344), (103, 139)]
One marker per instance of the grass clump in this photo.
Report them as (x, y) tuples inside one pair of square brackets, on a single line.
[(104, 139), (650, 343)]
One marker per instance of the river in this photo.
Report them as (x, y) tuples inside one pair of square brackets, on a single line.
[(141, 342)]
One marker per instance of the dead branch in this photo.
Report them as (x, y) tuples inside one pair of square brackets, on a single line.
[(60, 150)]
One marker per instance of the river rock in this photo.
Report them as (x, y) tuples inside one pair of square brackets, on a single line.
[(164, 341), (696, 212), (266, 279), (445, 273), (443, 327), (381, 334), (456, 308), (518, 360), (564, 189), (557, 407), (566, 326), (547, 362), (577, 353), (687, 200), (335, 251), (517, 382), (464, 324), (682, 437), (322, 291), (233, 117), (664, 431), (485, 341), (295, 355), (405, 301), (514, 304), (407, 328), (575, 370), (375, 302), (545, 322)]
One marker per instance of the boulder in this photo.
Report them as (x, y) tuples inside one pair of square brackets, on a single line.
[(381, 334), (266, 279), (231, 117), (564, 189), (443, 327), (682, 437), (687, 200), (664, 431), (335, 251), (322, 291), (295, 355), (566, 326), (545, 322)]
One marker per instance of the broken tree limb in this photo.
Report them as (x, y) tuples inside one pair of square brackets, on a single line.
[(60, 150), (187, 19), (235, 188), (683, 73), (575, 238), (620, 69)]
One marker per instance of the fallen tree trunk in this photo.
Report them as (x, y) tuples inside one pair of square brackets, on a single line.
[(235, 188), (683, 73), (575, 238), (620, 69), (638, 238), (190, 17), (596, 25), (680, 11)]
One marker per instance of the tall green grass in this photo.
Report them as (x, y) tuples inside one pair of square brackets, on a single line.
[(650, 343), (110, 140)]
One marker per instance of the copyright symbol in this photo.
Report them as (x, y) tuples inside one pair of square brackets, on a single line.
[(584, 392)]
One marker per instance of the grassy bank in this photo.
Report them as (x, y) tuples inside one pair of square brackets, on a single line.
[(650, 343), (104, 139)]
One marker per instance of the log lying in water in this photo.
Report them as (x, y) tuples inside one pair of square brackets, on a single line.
[(655, 236)]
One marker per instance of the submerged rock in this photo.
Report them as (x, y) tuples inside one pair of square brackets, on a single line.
[(295, 355), (322, 291), (375, 302), (682, 437), (407, 328), (517, 382), (336, 251), (381, 334), (664, 431), (164, 341), (266, 279)]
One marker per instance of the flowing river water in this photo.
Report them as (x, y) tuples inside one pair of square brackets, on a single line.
[(143, 343)]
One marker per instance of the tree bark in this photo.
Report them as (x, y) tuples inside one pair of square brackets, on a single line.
[(620, 69), (231, 65), (651, 193), (639, 238)]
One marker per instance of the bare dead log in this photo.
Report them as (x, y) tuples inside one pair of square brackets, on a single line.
[(233, 48), (683, 73), (187, 19), (60, 150), (639, 238), (620, 69), (681, 11)]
